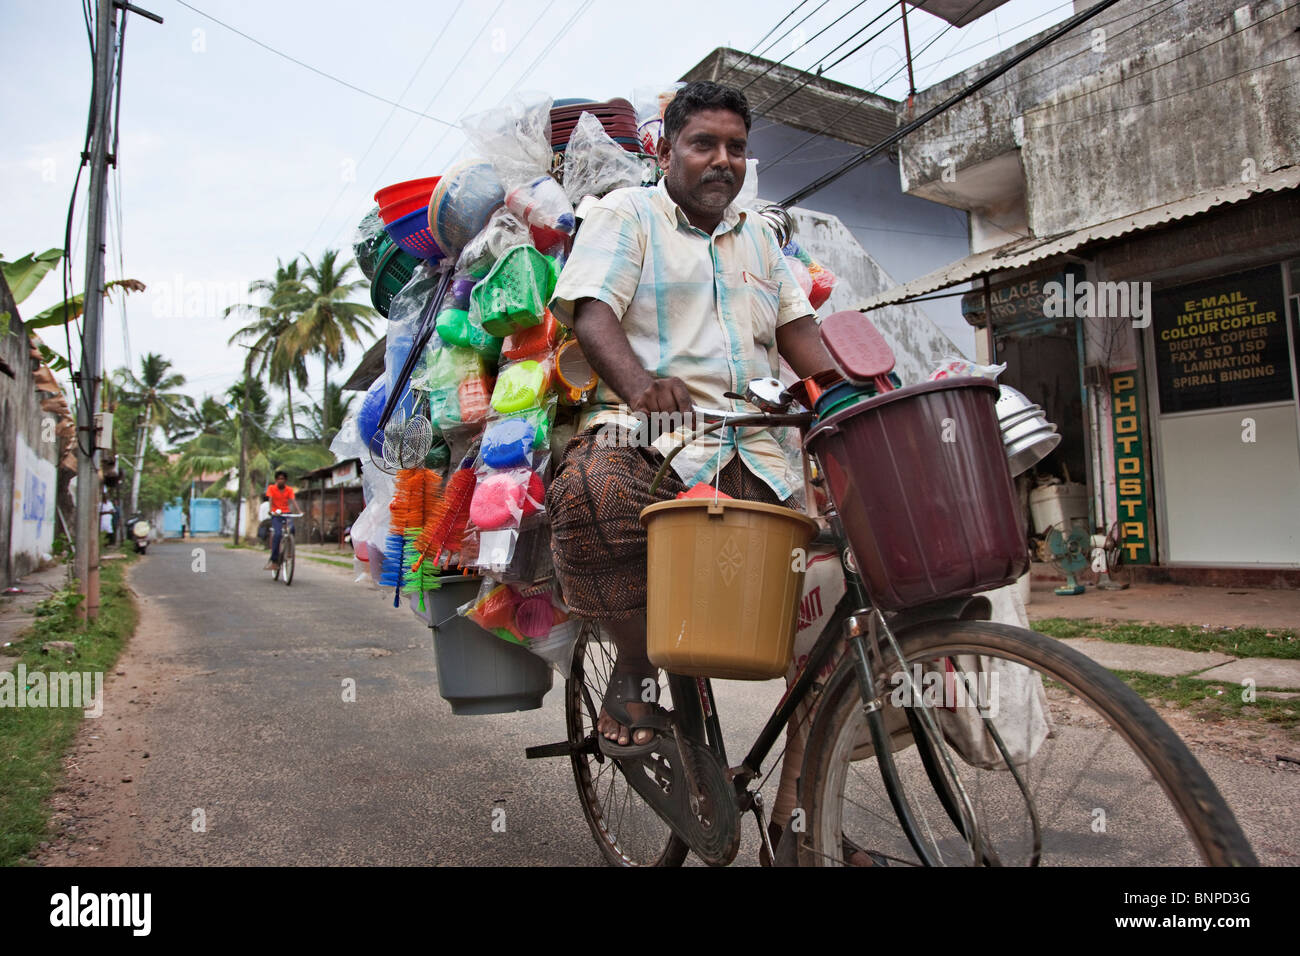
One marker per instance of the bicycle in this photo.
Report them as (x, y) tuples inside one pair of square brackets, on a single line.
[(888, 778), (287, 550)]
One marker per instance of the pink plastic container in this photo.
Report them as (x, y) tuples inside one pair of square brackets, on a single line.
[(919, 476)]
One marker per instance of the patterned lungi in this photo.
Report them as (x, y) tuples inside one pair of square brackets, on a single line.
[(595, 503)]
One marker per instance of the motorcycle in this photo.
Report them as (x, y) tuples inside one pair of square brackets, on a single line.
[(137, 529)]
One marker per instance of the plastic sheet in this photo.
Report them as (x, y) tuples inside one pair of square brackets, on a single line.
[(594, 164), (504, 231), (503, 499), (369, 236), (515, 137), (953, 367)]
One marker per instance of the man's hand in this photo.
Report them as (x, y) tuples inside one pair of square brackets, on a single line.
[(664, 395)]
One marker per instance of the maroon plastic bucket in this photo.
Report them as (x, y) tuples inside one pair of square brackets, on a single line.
[(919, 476)]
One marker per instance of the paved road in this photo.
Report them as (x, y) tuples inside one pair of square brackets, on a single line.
[(248, 723)]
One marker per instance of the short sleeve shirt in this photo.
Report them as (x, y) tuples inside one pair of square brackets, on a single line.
[(698, 307), (280, 500)]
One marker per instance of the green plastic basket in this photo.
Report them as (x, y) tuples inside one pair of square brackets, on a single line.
[(393, 270)]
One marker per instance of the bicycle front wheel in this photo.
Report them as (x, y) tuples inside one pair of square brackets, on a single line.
[(288, 558), (627, 830), (1076, 771)]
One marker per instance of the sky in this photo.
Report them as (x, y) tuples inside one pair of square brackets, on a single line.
[(232, 156)]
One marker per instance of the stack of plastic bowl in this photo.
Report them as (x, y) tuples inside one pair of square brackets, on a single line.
[(617, 116), (1026, 433), (404, 208)]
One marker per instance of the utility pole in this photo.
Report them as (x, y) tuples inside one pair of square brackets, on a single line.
[(90, 374), (243, 425), (87, 478)]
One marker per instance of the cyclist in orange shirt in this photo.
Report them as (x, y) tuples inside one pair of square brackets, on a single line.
[(282, 500)]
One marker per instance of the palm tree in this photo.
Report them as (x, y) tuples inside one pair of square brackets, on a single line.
[(328, 319), (334, 408), (154, 393), (266, 334)]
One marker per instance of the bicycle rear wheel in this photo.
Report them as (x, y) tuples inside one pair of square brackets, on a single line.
[(627, 830), (287, 557), (1110, 784)]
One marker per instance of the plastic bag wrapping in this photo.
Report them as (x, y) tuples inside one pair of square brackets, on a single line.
[(543, 205), (748, 194), (800, 273), (533, 343), (462, 203), (369, 235), (650, 103), (594, 164), (348, 443), (953, 367), (513, 296), (504, 231), (515, 137), (522, 385), (503, 499), (823, 280), (458, 386)]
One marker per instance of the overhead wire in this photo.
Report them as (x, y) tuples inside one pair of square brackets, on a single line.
[(774, 63), (387, 119), (749, 52), (313, 69)]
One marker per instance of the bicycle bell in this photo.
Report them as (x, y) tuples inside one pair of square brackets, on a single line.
[(768, 395)]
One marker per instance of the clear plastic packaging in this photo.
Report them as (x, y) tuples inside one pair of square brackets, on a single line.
[(650, 103), (543, 205), (503, 232), (800, 273), (503, 499), (953, 367), (823, 280), (594, 164), (514, 136), (521, 385), (514, 294), (457, 383), (369, 235)]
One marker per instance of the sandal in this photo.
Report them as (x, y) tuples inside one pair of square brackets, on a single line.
[(625, 689)]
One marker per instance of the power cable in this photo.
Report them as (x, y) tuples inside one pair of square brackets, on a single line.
[(438, 92), (763, 52), (860, 3), (823, 181), (537, 61), (308, 66), (387, 119), (750, 51)]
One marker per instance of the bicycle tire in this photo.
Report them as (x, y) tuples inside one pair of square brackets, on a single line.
[(655, 845), (288, 558), (1208, 826)]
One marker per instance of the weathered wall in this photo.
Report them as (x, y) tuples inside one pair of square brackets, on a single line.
[(919, 344), (1171, 100), (28, 456)]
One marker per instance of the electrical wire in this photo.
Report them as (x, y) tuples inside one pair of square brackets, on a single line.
[(537, 61), (308, 66), (387, 119), (751, 50), (763, 52), (860, 3)]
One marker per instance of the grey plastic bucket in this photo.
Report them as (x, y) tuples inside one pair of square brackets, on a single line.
[(478, 672)]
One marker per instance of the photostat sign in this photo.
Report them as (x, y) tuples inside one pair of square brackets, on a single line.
[(1222, 342), (1130, 468)]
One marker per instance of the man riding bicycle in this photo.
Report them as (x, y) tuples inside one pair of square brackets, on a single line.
[(677, 298), (282, 499)]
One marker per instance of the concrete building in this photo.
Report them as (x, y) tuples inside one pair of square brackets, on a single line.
[(1135, 260)]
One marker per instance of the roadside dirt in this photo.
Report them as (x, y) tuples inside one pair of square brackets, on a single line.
[(96, 811)]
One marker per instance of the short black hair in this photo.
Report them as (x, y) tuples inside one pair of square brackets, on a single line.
[(282, 472), (703, 95), (268, 497)]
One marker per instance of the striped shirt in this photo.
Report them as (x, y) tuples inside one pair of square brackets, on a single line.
[(701, 308)]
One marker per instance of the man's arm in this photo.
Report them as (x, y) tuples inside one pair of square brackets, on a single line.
[(606, 347), (800, 344)]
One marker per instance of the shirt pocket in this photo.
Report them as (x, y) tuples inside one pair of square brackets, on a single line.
[(761, 300)]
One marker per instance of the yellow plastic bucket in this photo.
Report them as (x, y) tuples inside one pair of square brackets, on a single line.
[(723, 590)]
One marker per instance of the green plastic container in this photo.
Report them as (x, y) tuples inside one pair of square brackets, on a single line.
[(393, 269)]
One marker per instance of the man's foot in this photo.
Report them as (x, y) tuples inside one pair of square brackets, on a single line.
[(629, 724), (615, 732), (270, 566)]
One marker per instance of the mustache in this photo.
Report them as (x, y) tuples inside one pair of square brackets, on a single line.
[(720, 176)]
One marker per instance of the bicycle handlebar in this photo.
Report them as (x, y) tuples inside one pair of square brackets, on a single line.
[(726, 419)]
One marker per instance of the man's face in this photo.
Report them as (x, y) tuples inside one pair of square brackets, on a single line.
[(705, 165), (279, 482)]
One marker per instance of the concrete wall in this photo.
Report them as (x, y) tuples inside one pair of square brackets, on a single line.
[(1168, 101), (28, 456), (919, 344)]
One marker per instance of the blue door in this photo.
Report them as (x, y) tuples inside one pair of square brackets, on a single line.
[(172, 519), (205, 516)]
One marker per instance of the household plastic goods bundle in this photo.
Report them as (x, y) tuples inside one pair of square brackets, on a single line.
[(594, 164), (823, 280), (462, 203), (513, 296)]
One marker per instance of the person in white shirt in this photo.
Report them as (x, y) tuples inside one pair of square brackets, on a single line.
[(107, 514), (264, 521)]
